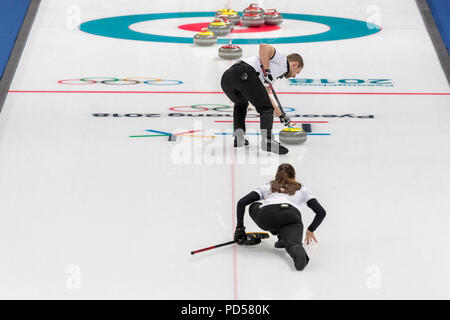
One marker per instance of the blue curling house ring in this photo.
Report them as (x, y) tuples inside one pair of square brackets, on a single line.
[(119, 28)]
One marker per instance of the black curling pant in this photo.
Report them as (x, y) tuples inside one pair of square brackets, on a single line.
[(284, 221), (242, 85)]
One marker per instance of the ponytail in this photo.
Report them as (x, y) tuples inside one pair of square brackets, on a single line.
[(285, 180)]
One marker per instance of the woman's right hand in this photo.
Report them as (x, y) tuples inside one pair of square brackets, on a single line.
[(240, 235)]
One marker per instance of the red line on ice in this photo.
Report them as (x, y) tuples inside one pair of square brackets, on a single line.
[(220, 92)]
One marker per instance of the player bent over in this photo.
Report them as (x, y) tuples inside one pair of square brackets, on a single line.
[(275, 208), (247, 81)]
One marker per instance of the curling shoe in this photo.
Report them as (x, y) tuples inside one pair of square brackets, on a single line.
[(239, 142), (298, 253), (270, 145), (279, 244)]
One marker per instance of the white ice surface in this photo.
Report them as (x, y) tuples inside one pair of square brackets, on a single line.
[(78, 193)]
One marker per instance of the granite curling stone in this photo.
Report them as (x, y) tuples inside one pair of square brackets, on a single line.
[(231, 15), (293, 136), (219, 27), (254, 8), (252, 19), (227, 21), (205, 38), (272, 17), (230, 52)]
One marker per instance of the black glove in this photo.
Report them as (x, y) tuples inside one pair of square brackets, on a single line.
[(286, 120), (240, 235), (268, 78)]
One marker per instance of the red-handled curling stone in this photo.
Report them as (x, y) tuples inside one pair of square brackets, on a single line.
[(253, 8), (252, 19), (272, 17), (230, 52)]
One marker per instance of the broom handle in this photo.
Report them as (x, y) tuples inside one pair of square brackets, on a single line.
[(279, 104), (273, 92), (276, 98), (213, 247)]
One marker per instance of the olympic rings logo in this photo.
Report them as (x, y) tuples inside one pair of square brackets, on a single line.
[(120, 82), (215, 107)]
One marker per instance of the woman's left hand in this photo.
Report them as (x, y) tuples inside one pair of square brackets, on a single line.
[(310, 238)]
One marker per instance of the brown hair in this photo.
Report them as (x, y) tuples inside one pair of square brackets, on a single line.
[(285, 180), (295, 57)]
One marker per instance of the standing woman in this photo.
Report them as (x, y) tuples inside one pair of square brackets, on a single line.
[(275, 208)]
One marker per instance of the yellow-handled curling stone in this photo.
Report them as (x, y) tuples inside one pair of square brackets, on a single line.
[(293, 136), (205, 38), (219, 27), (230, 14), (289, 135), (227, 21)]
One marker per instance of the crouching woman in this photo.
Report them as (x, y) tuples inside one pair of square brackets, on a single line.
[(274, 207)]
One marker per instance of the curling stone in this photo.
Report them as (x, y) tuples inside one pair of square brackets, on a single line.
[(227, 21), (293, 136), (272, 17), (252, 19), (205, 38), (219, 27), (254, 8), (230, 52), (231, 15)]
